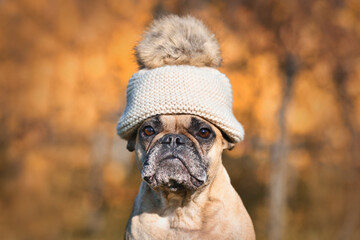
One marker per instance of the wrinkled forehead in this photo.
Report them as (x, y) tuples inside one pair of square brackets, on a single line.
[(175, 123)]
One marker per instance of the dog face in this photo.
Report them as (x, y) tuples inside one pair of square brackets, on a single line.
[(178, 153)]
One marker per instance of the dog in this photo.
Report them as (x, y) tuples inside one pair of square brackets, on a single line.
[(186, 192)]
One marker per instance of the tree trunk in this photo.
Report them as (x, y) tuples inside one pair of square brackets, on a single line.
[(352, 197), (279, 164)]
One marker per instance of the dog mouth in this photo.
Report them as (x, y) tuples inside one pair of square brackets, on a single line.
[(173, 174)]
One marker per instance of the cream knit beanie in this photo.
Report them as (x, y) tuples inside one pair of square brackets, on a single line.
[(177, 56)]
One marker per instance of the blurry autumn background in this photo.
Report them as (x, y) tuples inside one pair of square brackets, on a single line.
[(64, 67)]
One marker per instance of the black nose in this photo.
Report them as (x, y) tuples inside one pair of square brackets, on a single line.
[(173, 139)]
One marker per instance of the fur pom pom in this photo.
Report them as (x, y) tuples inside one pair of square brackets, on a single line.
[(174, 40)]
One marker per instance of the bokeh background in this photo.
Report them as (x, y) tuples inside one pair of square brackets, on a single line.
[(64, 66)]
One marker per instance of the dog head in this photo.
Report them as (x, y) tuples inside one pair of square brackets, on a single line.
[(178, 153)]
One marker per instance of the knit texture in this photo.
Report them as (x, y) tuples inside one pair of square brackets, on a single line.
[(200, 91)]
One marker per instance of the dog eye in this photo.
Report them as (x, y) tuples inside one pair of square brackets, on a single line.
[(204, 133), (148, 130)]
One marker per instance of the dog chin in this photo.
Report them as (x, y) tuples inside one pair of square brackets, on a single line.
[(172, 175)]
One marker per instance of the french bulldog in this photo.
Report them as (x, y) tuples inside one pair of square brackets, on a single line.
[(186, 192)]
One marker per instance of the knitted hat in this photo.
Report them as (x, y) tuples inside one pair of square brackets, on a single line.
[(177, 57)]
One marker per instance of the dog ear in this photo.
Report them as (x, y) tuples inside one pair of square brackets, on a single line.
[(131, 142), (228, 144)]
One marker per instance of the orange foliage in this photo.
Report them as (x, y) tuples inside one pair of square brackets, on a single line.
[(64, 67)]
